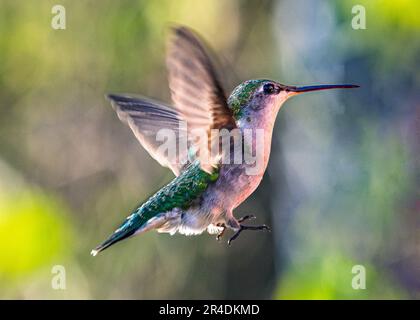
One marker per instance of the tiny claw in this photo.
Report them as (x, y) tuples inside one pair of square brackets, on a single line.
[(242, 228), (247, 217), (235, 235), (265, 227), (229, 242)]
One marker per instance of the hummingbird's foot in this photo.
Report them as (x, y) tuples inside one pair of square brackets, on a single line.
[(221, 233), (242, 228), (223, 226)]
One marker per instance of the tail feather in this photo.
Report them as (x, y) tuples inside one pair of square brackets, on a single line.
[(127, 229)]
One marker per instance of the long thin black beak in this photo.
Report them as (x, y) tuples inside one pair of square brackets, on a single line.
[(298, 90)]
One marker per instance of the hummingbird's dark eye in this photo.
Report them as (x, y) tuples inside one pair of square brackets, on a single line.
[(269, 88)]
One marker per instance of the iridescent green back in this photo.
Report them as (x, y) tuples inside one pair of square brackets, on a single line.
[(179, 193)]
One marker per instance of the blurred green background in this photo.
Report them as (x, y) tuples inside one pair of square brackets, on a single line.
[(342, 187)]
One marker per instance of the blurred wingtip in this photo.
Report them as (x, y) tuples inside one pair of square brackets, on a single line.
[(117, 99), (111, 97), (177, 27)]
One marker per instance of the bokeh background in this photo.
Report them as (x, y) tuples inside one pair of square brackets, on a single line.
[(342, 187)]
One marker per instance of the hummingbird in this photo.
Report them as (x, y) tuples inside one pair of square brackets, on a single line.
[(202, 196)]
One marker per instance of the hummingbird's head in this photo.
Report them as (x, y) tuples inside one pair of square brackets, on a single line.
[(260, 100)]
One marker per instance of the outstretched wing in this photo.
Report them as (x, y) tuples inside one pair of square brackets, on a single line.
[(199, 106), (196, 91), (146, 117)]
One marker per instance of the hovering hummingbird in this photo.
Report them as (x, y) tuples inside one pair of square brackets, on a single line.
[(201, 197)]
